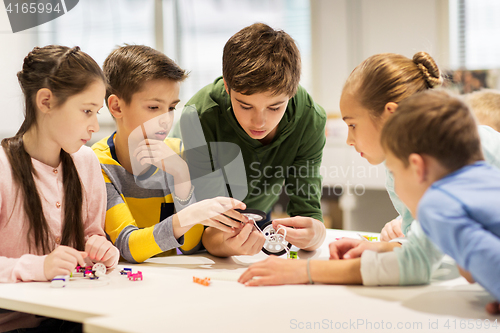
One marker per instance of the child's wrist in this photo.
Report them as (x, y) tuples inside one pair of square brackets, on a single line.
[(308, 269), (392, 245), (181, 170), (186, 200)]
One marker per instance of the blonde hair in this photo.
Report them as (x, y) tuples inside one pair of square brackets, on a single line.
[(485, 104), (390, 77)]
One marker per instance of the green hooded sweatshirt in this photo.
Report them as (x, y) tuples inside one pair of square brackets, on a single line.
[(289, 163)]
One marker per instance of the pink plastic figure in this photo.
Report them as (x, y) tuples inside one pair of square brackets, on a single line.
[(134, 277)]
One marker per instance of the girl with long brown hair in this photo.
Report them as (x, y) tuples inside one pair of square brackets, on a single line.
[(52, 194)]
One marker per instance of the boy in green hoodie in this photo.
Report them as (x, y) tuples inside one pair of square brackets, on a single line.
[(259, 106)]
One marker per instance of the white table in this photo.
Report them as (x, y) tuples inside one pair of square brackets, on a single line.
[(168, 301)]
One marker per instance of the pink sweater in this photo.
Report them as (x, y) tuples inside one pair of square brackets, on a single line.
[(16, 262)]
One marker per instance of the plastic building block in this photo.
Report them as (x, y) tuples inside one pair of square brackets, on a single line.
[(99, 269), (90, 272), (125, 271), (275, 242), (134, 276), (292, 255), (59, 281), (78, 272), (86, 271), (204, 282)]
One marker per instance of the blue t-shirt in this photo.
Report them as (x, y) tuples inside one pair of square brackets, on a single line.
[(460, 213), (418, 258)]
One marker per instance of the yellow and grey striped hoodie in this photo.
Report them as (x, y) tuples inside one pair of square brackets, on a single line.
[(140, 208)]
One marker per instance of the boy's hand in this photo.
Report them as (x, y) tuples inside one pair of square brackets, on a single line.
[(247, 241), (217, 212), (99, 249), (392, 230), (304, 232), (157, 153), (493, 308), (275, 271), (62, 261), (466, 274), (348, 248)]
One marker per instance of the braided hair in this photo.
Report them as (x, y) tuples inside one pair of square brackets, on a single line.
[(66, 72)]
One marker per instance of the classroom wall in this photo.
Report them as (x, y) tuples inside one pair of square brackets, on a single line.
[(345, 32), (14, 47)]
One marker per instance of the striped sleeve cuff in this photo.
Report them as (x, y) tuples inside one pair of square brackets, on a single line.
[(121, 243), (164, 235)]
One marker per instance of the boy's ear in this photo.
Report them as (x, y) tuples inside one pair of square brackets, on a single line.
[(225, 86), (418, 166), (114, 103), (45, 100)]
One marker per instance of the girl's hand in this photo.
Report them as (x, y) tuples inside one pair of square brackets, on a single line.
[(99, 249), (339, 248), (348, 248), (392, 230), (275, 271), (62, 261), (217, 212)]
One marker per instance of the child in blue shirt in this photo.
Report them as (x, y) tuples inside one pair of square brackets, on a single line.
[(437, 154), (442, 178)]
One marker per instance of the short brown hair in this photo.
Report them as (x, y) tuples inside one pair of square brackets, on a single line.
[(485, 104), (433, 123), (259, 59), (390, 77), (127, 68)]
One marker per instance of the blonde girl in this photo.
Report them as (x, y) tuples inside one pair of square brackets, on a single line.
[(370, 96)]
